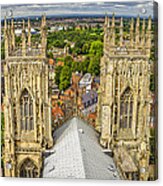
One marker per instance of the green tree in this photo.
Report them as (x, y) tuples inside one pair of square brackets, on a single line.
[(35, 38), (58, 70), (94, 65), (68, 61), (59, 43), (96, 48), (65, 78), (18, 40), (85, 65), (75, 66), (85, 48), (76, 51), (50, 55)]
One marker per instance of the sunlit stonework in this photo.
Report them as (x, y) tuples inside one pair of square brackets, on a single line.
[(123, 104), (26, 103)]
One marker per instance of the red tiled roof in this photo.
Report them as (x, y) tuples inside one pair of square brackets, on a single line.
[(92, 116), (60, 63), (69, 92), (57, 111), (51, 62)]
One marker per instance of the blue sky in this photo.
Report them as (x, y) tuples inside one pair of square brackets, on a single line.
[(129, 8)]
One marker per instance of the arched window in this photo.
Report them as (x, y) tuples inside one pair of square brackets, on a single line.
[(126, 109), (28, 169), (26, 111)]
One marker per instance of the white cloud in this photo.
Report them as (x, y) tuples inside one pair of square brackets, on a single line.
[(120, 6), (140, 5)]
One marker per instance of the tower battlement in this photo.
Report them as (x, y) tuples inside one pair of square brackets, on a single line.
[(134, 42), (26, 48)]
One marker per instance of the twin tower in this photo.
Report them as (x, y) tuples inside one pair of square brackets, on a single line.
[(124, 99), (27, 103)]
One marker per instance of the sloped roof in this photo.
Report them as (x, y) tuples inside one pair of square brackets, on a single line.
[(77, 154), (89, 96), (57, 111), (92, 116), (86, 79), (97, 80), (51, 62)]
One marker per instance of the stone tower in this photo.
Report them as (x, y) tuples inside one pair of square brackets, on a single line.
[(26, 103), (124, 97)]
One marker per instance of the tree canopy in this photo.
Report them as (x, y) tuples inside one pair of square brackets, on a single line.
[(82, 39), (58, 71), (96, 48), (94, 65), (65, 78)]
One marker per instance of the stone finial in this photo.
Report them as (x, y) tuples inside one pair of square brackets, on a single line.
[(29, 33), (106, 20), (108, 24), (137, 36), (113, 20), (121, 32), (23, 39), (132, 32), (112, 36), (23, 25), (6, 37), (5, 24), (9, 37), (143, 25), (143, 33), (13, 33), (149, 23), (148, 36), (43, 21)]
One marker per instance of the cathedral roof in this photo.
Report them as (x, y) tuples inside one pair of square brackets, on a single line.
[(78, 154)]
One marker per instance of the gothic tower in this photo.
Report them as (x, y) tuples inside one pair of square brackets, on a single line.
[(26, 103), (124, 97)]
